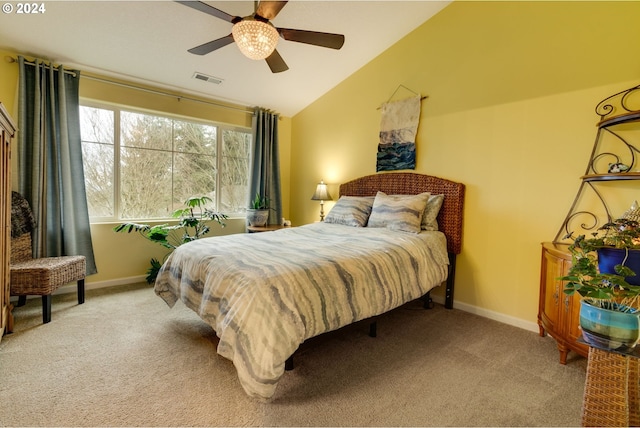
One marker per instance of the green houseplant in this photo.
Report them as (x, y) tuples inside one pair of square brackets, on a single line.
[(192, 224), (603, 272), (258, 211)]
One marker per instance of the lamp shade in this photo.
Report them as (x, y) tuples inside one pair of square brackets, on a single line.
[(255, 39), (321, 194)]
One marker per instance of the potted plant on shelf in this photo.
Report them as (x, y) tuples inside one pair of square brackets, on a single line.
[(191, 226), (258, 213), (603, 272)]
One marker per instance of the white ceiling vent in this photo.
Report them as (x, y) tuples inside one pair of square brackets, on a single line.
[(206, 78)]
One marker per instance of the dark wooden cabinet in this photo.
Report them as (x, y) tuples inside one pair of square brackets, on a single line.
[(558, 313)]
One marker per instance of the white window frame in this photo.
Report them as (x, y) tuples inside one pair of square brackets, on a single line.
[(117, 109)]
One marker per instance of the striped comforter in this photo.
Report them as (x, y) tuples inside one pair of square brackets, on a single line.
[(266, 293)]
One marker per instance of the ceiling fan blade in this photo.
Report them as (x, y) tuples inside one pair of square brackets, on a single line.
[(270, 9), (326, 40), (212, 45), (276, 63), (203, 7)]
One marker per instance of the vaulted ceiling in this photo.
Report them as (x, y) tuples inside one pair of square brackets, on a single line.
[(147, 42)]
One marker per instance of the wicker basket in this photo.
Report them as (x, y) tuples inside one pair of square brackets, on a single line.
[(611, 391)]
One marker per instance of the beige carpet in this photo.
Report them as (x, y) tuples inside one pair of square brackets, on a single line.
[(125, 359)]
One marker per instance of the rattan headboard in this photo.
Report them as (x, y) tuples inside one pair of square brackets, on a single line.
[(408, 183)]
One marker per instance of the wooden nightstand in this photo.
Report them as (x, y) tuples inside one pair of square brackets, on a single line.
[(270, 228)]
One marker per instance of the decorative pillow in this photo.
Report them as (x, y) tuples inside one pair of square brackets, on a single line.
[(429, 218), (398, 212), (351, 211)]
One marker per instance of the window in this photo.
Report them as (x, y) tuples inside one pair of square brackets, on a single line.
[(143, 166)]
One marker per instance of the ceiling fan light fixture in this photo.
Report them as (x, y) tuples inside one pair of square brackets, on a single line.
[(255, 39)]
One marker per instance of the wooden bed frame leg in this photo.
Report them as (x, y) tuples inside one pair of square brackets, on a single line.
[(448, 300), (288, 365)]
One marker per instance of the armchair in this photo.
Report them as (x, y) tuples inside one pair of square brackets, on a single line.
[(38, 276)]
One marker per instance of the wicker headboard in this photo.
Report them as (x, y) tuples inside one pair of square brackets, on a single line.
[(408, 183)]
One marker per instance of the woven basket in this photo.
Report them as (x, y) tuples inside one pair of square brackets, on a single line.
[(611, 391)]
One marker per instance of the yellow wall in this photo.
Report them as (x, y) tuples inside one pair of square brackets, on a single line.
[(122, 258), (512, 87), (8, 83)]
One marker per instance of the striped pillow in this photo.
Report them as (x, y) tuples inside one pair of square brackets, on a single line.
[(351, 211), (429, 218), (398, 212)]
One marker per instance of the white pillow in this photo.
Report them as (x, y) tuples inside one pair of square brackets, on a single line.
[(429, 218), (351, 211), (398, 212)]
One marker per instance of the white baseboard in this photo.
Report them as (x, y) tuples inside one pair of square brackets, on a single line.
[(73, 288), (496, 316)]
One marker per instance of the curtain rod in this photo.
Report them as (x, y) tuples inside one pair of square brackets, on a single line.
[(167, 94), (139, 88), (49, 66)]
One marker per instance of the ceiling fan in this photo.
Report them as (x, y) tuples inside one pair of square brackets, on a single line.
[(257, 37)]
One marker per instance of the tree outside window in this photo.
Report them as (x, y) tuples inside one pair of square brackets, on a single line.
[(144, 166)]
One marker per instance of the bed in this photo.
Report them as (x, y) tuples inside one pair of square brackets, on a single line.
[(264, 294)]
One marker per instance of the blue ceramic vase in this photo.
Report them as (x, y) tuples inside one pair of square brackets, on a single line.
[(609, 258), (614, 329)]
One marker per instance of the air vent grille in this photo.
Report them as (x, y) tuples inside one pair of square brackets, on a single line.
[(207, 78)]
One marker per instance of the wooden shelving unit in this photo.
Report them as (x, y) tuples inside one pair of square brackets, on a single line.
[(558, 313), (618, 113)]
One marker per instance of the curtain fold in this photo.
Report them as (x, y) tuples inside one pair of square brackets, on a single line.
[(265, 168), (50, 169)]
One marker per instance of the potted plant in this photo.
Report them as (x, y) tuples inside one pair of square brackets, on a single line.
[(191, 226), (258, 213), (603, 272)]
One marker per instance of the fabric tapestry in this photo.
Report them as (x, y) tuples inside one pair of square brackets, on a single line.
[(398, 128), (22, 220)]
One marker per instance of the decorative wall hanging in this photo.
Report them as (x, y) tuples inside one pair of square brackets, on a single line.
[(398, 127)]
